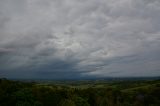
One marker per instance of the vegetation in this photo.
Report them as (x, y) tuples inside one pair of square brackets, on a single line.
[(80, 93)]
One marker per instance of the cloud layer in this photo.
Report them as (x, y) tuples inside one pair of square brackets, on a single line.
[(79, 38)]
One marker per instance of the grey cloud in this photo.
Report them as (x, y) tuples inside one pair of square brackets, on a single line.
[(79, 38), (6, 50)]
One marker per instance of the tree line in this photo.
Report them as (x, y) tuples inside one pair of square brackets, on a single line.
[(16, 93)]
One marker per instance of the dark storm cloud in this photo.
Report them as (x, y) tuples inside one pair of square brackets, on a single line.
[(79, 38)]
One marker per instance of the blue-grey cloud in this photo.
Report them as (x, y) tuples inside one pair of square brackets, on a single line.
[(79, 38)]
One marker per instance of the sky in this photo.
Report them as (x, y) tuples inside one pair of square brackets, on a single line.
[(60, 39)]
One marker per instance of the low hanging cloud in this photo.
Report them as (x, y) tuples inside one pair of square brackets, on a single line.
[(79, 38)]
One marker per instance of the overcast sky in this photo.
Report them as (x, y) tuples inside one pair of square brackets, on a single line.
[(79, 38)]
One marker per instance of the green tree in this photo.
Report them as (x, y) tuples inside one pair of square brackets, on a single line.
[(67, 102)]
